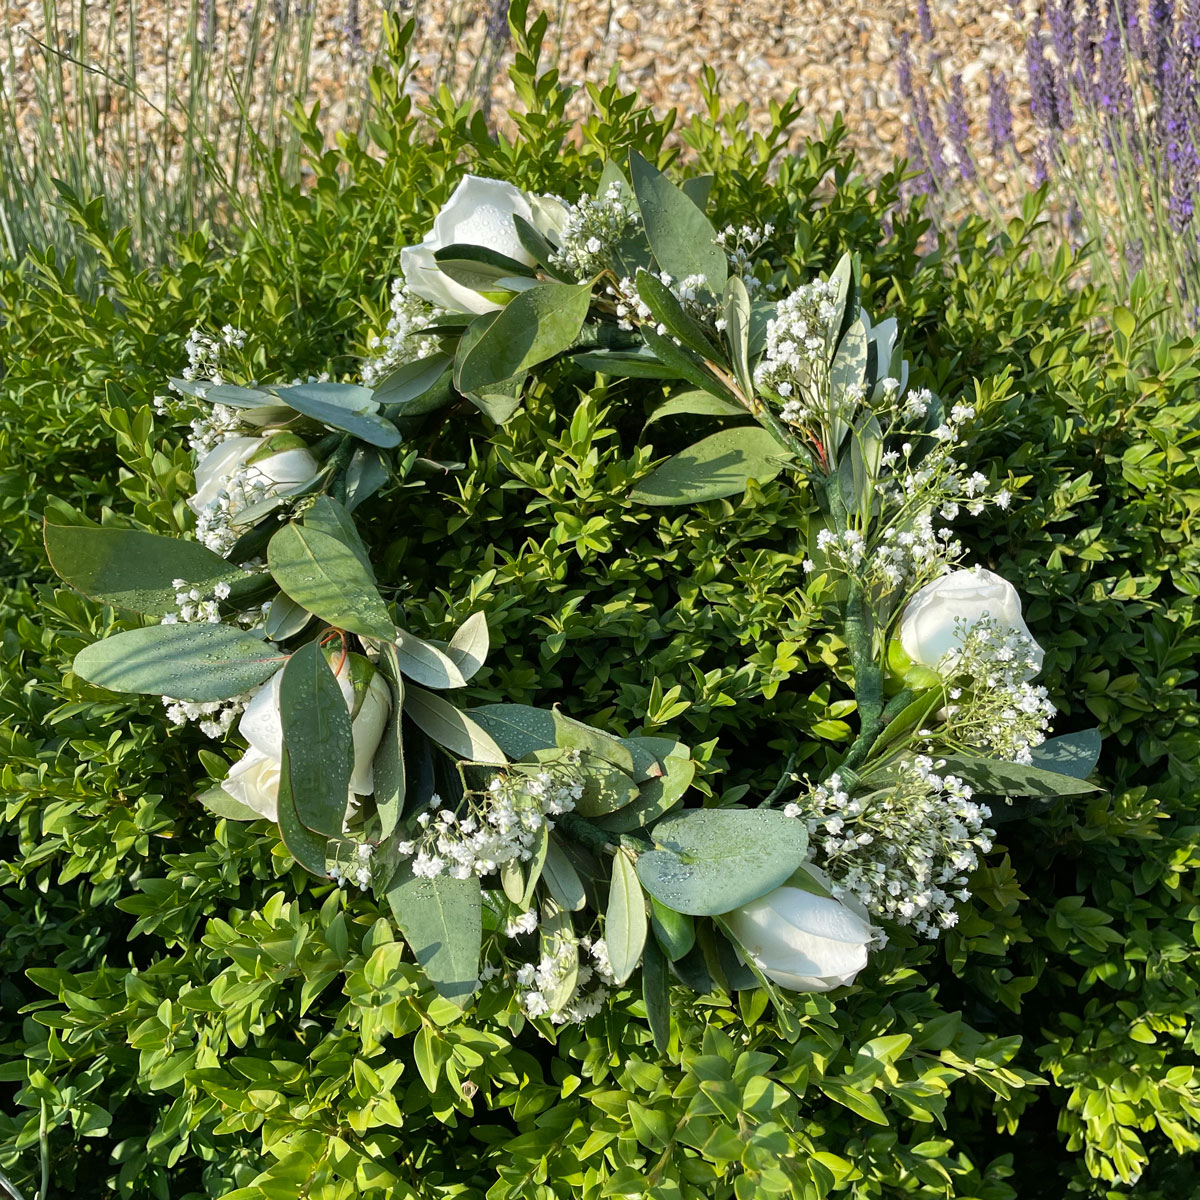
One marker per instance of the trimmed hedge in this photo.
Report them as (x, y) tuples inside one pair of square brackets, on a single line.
[(186, 1015)]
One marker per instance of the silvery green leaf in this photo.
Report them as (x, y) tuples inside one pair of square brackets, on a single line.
[(625, 919)]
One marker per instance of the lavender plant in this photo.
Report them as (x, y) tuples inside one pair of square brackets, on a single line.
[(1114, 93)]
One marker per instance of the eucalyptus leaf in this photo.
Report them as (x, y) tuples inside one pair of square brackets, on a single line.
[(651, 752), (442, 920), (719, 465), (558, 943), (625, 920), (499, 401), (479, 268), (534, 326), (322, 573), (308, 848), (425, 664), (656, 994), (996, 778), (542, 251), (535, 866), (709, 861), (655, 799), (317, 739), (419, 387), (737, 332), (684, 364), (352, 412), (285, 618), (696, 403), (519, 729), (366, 473), (575, 735), (451, 727), (389, 766), (131, 569), (561, 879), (681, 237), (1074, 754), (674, 931), (697, 190), (198, 662), (469, 645), (606, 788), (328, 516), (630, 364), (666, 309)]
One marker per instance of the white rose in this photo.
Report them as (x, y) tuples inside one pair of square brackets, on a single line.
[(936, 618), (804, 942), (255, 779), (283, 469), (479, 213)]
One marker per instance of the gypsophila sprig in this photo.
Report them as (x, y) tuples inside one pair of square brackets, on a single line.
[(403, 340), (591, 232), (904, 852)]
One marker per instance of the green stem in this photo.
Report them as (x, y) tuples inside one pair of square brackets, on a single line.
[(339, 461), (580, 830)]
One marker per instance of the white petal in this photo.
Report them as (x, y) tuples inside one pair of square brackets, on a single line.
[(480, 213), (255, 782), (368, 729), (288, 467), (260, 724), (217, 466), (425, 279)]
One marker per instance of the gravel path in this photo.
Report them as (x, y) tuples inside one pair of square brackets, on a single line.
[(840, 57)]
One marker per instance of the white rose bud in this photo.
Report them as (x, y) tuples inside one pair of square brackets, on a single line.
[(255, 779), (938, 616), (801, 941), (283, 469), (479, 213)]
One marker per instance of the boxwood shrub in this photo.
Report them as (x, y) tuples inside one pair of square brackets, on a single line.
[(184, 1013)]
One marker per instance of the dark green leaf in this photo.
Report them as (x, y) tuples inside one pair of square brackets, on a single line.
[(479, 267), (683, 364), (534, 326), (714, 467), (631, 364), (200, 662), (681, 237), (518, 729), (309, 849), (675, 931), (656, 992), (697, 403), (317, 738), (390, 774), (667, 310), (132, 569), (442, 920), (655, 798), (327, 577)]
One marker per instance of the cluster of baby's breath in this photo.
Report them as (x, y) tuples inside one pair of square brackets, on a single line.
[(403, 341), (591, 231), (904, 852), (215, 717), (500, 824), (998, 713), (216, 523), (692, 292), (740, 243), (795, 363), (358, 870), (194, 606), (537, 984), (206, 352)]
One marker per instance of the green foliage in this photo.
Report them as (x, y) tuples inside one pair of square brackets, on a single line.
[(187, 1013)]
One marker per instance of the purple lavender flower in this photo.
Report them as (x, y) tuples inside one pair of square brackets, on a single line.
[(1189, 42), (1087, 42), (1062, 38), (931, 144), (353, 29), (904, 67), (1134, 41), (921, 184), (924, 20), (1112, 95), (497, 26), (1161, 21), (1043, 96), (958, 126), (1134, 255), (1179, 135), (1042, 157), (1000, 121)]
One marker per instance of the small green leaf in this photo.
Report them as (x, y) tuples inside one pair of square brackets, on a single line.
[(450, 727), (442, 920), (625, 919), (221, 804), (199, 662), (324, 575), (534, 326), (316, 735), (862, 1103), (714, 467), (131, 569)]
